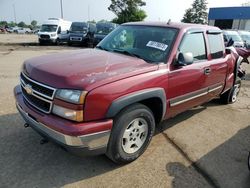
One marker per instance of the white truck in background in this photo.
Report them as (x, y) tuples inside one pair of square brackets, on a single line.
[(54, 30)]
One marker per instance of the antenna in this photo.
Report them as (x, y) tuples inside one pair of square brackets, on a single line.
[(169, 21)]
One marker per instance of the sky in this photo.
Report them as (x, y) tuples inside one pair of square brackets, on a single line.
[(82, 10)]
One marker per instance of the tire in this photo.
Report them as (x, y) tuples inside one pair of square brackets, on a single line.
[(57, 42), (69, 44), (231, 95), (131, 134), (41, 43)]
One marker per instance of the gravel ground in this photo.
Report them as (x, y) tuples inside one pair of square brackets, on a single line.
[(204, 147)]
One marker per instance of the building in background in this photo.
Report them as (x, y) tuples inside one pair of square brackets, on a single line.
[(230, 17)]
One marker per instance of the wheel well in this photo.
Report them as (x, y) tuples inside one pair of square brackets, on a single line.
[(156, 106)]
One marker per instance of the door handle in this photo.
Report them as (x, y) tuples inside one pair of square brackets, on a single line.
[(207, 71)]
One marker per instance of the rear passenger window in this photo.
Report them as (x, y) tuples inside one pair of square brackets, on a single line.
[(195, 44), (216, 45)]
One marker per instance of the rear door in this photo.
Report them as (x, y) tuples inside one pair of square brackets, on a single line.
[(217, 69)]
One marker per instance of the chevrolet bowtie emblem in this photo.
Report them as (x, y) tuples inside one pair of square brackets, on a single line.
[(28, 89)]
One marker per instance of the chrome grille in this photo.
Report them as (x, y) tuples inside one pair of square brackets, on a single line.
[(37, 94)]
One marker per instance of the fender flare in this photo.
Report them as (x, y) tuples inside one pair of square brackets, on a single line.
[(124, 101)]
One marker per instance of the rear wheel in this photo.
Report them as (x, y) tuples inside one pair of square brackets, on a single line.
[(131, 134), (231, 95)]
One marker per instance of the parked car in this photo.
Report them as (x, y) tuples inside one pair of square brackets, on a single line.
[(102, 30), (245, 35), (3, 30), (10, 29), (81, 33), (54, 30), (21, 30), (14, 29), (109, 99), (234, 35)]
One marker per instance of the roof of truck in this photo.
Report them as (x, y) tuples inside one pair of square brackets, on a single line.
[(178, 25)]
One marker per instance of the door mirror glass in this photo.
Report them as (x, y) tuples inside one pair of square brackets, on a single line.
[(185, 59)]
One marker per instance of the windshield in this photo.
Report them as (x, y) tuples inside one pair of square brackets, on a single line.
[(78, 27), (48, 28), (147, 42), (245, 38), (104, 28), (235, 38)]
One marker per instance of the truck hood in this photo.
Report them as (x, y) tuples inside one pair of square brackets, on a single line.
[(84, 69)]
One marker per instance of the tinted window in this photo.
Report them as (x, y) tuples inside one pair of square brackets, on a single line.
[(78, 26), (48, 28), (195, 44), (216, 46)]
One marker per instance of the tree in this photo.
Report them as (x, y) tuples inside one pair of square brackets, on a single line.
[(11, 24), (3, 23), (188, 16), (21, 24), (197, 14), (34, 23), (127, 10), (92, 21)]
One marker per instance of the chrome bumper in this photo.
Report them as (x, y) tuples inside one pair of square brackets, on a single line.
[(90, 142)]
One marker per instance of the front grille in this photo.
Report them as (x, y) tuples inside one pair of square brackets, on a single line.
[(45, 90), (44, 36), (76, 38), (36, 102), (39, 96)]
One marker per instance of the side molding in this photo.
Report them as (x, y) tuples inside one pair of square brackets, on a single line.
[(138, 96)]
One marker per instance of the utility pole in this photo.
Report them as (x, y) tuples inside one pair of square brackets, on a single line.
[(61, 9), (14, 9), (30, 18), (88, 14)]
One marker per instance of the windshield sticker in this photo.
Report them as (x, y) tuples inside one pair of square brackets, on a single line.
[(157, 45)]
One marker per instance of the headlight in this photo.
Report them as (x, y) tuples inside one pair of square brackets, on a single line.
[(75, 115), (53, 35), (72, 96)]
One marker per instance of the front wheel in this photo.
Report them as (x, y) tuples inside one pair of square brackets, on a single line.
[(131, 134), (231, 95)]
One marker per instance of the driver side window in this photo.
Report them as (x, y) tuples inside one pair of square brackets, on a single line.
[(195, 44)]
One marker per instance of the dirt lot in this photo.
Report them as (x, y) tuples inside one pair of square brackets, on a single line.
[(203, 147)]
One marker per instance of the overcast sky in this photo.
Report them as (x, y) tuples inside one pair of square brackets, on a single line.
[(77, 10)]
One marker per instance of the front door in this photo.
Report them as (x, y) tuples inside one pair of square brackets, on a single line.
[(188, 85)]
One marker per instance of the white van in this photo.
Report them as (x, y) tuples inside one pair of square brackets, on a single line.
[(54, 30)]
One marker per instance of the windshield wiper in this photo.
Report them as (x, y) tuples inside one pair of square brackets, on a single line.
[(101, 48), (127, 53), (132, 54)]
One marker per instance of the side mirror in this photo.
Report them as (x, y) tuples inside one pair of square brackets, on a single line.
[(185, 59)]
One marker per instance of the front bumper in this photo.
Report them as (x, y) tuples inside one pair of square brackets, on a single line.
[(84, 144)]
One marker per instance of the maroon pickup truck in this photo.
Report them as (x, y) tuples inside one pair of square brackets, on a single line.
[(108, 100)]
